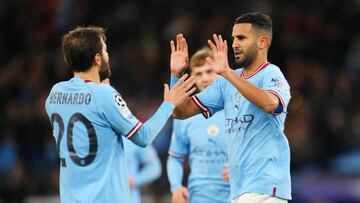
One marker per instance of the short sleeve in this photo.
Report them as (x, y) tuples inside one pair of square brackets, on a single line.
[(179, 145), (211, 99), (117, 113), (275, 83)]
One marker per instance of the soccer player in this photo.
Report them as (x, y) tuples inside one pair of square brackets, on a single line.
[(255, 98), (143, 165), (203, 140), (90, 119)]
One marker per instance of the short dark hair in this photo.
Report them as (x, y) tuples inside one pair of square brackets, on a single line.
[(80, 46), (258, 20)]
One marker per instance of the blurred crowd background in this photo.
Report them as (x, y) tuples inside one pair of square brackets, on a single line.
[(316, 44)]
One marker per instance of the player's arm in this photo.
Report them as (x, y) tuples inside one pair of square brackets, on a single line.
[(175, 171), (265, 100), (172, 98), (178, 150), (175, 174), (116, 112), (179, 61), (187, 108), (151, 169)]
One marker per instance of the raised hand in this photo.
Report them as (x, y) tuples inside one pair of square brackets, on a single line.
[(179, 59), (181, 91), (220, 50), (180, 195)]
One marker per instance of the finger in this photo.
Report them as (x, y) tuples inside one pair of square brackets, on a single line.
[(190, 92), (212, 45), (221, 43), (180, 81), (181, 45), (166, 88), (177, 42), (186, 48), (225, 46), (172, 45), (187, 84), (216, 39), (186, 193)]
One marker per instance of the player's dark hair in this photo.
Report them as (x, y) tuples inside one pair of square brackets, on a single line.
[(80, 46), (258, 20)]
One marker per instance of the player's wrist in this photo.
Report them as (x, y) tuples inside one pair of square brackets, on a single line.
[(177, 74), (227, 72)]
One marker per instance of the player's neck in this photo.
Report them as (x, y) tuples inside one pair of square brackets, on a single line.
[(91, 75), (255, 65)]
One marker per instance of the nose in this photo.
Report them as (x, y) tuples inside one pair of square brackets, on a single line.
[(235, 44), (205, 77)]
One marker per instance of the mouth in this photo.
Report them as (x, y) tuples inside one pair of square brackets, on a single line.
[(238, 53)]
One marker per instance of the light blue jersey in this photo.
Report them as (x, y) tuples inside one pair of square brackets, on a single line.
[(259, 155), (204, 141), (89, 121), (143, 165)]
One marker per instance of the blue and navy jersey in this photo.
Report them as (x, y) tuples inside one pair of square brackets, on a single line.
[(259, 155), (204, 141), (89, 122), (143, 165)]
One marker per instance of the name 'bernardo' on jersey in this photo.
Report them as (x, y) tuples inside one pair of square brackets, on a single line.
[(70, 98)]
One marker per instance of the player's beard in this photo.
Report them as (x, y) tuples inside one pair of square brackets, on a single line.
[(248, 57), (105, 71)]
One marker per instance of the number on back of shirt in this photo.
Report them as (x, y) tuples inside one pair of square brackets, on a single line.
[(93, 142)]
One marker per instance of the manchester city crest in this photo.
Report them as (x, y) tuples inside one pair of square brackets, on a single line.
[(213, 130)]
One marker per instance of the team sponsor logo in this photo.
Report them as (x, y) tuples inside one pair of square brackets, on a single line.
[(238, 124), (213, 130), (213, 155), (122, 106)]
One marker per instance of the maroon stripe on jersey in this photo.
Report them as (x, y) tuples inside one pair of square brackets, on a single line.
[(206, 111), (274, 192), (134, 130), (86, 81), (254, 73)]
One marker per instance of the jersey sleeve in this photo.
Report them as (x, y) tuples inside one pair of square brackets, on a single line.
[(275, 83), (211, 99), (179, 145), (117, 113), (151, 166)]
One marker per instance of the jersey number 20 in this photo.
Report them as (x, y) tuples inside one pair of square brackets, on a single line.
[(93, 142)]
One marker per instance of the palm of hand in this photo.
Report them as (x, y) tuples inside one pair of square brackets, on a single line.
[(179, 60), (220, 62)]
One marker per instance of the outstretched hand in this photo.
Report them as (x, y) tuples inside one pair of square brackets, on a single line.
[(181, 91), (179, 59), (220, 50)]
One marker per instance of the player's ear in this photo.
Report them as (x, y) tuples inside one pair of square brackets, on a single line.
[(97, 59), (263, 42)]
